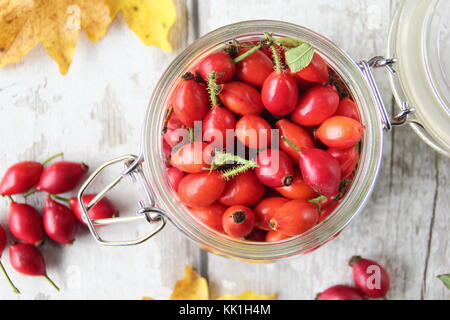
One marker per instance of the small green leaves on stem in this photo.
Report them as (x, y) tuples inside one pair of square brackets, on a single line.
[(247, 53), (52, 157), (317, 200), (291, 144), (445, 278), (221, 159), (300, 57)]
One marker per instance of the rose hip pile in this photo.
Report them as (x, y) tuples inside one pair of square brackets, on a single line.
[(262, 139), (58, 221)]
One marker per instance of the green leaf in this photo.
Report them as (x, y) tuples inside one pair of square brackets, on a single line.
[(288, 42), (445, 278), (300, 57)]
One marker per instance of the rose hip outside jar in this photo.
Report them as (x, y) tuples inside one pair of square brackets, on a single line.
[(161, 204)]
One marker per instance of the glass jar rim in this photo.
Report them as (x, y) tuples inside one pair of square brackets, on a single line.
[(352, 203)]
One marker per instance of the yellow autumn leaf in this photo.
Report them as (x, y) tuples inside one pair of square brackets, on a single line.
[(248, 295), (151, 20), (191, 287), (195, 287), (56, 24)]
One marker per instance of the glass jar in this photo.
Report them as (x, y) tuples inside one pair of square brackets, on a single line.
[(163, 204)]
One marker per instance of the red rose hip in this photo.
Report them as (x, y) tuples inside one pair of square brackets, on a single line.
[(265, 210), (244, 189), (279, 93), (275, 168), (20, 177), (241, 98), (340, 132), (102, 209), (190, 102), (238, 221), (341, 292), (201, 189), (370, 277), (219, 62), (60, 223), (25, 223), (61, 176), (295, 217)]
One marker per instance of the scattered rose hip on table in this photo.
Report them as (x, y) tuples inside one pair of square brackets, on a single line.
[(60, 223), (28, 260), (102, 209), (25, 223), (370, 277), (20, 177), (341, 292), (61, 176)]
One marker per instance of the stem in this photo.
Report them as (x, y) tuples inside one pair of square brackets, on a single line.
[(212, 89), (291, 144), (51, 282), (221, 159), (10, 198), (59, 198), (275, 54), (317, 200), (29, 192), (9, 279), (166, 119), (239, 169), (52, 157), (191, 134), (247, 53)]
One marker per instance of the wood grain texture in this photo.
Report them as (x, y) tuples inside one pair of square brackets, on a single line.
[(95, 113)]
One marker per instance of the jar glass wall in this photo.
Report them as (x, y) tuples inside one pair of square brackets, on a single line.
[(351, 205)]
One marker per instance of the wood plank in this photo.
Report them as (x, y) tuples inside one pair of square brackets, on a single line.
[(393, 229), (93, 114)]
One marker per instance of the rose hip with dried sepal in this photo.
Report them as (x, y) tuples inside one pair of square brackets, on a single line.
[(25, 223), (341, 292), (294, 217), (265, 210), (61, 176), (275, 168), (2, 248), (238, 221), (370, 277), (28, 260)]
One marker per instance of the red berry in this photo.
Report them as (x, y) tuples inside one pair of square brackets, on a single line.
[(25, 223), (273, 236), (215, 125), (341, 292), (275, 168), (201, 189), (241, 98), (2, 240), (348, 108), (297, 135), (316, 105), (265, 210), (297, 190), (279, 93), (221, 63), (176, 131), (320, 171), (295, 217), (20, 177), (255, 68), (347, 158), (370, 277), (61, 176), (193, 157), (238, 221), (340, 132), (316, 71), (28, 260), (60, 223), (102, 210), (210, 215), (257, 235), (254, 132), (174, 176), (244, 189), (190, 102)]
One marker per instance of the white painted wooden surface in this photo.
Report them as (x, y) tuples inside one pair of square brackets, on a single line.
[(95, 113)]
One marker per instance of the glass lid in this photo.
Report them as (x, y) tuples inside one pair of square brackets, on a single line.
[(420, 39)]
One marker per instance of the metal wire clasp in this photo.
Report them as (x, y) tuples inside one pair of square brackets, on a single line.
[(148, 212), (406, 109)]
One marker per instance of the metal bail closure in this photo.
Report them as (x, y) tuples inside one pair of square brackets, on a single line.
[(406, 109), (149, 212)]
